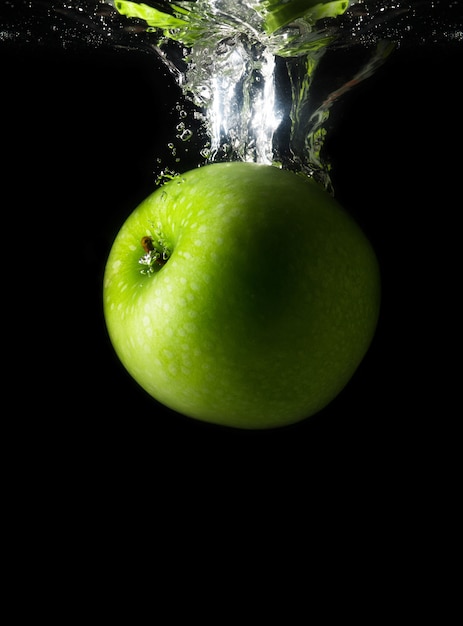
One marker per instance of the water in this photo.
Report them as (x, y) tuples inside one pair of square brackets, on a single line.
[(252, 90)]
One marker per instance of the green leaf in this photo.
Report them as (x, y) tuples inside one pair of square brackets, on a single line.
[(153, 17), (187, 25), (278, 14)]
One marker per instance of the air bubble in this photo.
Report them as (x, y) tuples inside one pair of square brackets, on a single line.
[(186, 135)]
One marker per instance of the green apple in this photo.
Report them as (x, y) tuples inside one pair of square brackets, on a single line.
[(241, 294)]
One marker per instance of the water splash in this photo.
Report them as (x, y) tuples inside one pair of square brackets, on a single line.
[(233, 85), (258, 88), (235, 64)]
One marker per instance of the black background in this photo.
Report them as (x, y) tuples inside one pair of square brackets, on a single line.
[(81, 129)]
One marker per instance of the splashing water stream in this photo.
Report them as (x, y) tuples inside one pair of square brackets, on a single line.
[(249, 68)]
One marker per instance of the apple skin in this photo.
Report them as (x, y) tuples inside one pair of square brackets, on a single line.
[(263, 311)]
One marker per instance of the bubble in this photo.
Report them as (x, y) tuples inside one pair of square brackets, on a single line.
[(186, 135)]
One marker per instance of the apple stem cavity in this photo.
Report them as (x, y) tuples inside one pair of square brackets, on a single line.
[(155, 257)]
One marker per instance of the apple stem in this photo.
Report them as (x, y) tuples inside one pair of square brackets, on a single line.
[(154, 257)]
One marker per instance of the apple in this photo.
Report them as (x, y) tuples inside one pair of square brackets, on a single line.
[(241, 294)]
